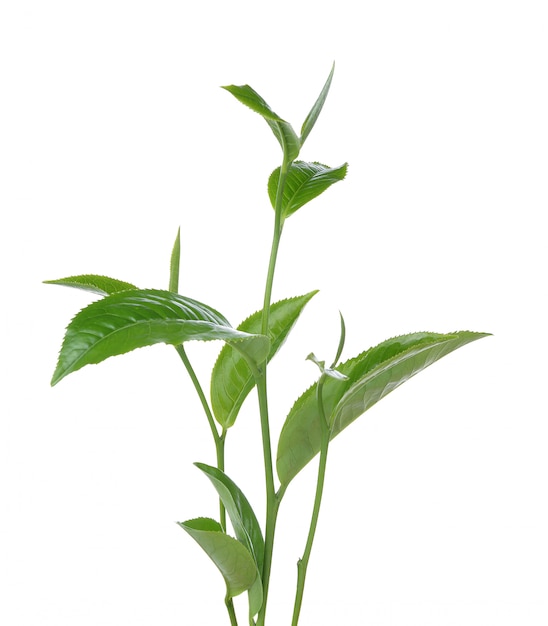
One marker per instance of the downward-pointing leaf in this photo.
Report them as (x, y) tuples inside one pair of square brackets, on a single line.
[(245, 524), (371, 376), (239, 510), (128, 320), (230, 556), (304, 182), (102, 285), (231, 378), (283, 131), (248, 96)]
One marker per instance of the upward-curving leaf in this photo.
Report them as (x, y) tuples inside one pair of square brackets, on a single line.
[(102, 285), (128, 320), (371, 376), (231, 378), (311, 118), (283, 131), (304, 182)]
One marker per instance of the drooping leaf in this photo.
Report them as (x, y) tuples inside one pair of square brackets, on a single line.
[(128, 320), (245, 524), (242, 516), (248, 96), (231, 557), (175, 263), (304, 182), (283, 131), (102, 285), (311, 118), (371, 376), (231, 378)]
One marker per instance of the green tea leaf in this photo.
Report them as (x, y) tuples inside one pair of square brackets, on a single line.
[(231, 378), (311, 118), (102, 285), (128, 320), (304, 182), (248, 96), (283, 131), (245, 524), (371, 376), (239, 510), (230, 556)]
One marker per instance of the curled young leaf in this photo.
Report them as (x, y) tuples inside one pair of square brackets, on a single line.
[(315, 111), (132, 319), (371, 376)]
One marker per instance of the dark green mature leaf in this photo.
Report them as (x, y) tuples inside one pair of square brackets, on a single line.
[(371, 376), (316, 109), (230, 556), (102, 285), (127, 320), (231, 378), (245, 524), (283, 131), (304, 182)]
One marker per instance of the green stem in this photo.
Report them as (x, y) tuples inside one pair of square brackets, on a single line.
[(272, 501), (231, 612), (302, 565), (219, 439)]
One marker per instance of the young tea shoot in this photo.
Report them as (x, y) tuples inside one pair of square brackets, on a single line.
[(239, 542)]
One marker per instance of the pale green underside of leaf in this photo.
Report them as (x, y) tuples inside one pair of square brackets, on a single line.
[(133, 319), (231, 378), (102, 285), (283, 131), (231, 557), (245, 524), (304, 182), (242, 516), (371, 376)]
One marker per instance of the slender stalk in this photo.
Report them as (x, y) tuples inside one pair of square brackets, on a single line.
[(219, 439), (272, 502), (302, 565), (231, 612)]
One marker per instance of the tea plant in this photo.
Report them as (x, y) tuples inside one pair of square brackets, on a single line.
[(126, 318)]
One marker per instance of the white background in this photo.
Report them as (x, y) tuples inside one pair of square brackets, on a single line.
[(114, 133)]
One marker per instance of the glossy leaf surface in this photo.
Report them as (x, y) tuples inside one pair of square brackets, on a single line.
[(102, 285), (244, 522), (311, 118), (231, 378), (371, 376), (230, 556), (283, 131), (304, 182), (128, 320)]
